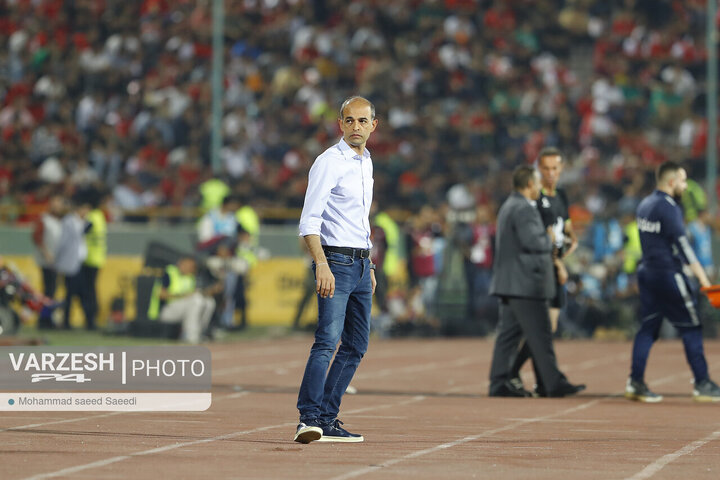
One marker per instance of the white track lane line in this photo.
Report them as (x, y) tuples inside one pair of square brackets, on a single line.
[(111, 414), (461, 362), (120, 458), (419, 453), (660, 463)]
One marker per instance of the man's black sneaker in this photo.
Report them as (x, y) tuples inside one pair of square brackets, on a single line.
[(566, 389), (638, 391), (333, 432), (706, 391), (307, 432)]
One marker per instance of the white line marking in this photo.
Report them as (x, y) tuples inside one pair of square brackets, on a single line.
[(250, 368), (124, 367), (599, 430), (557, 420), (660, 463), (56, 422), (419, 453), (417, 368), (120, 458), (393, 417), (92, 417), (586, 365)]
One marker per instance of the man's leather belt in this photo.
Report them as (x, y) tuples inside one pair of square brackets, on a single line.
[(351, 252)]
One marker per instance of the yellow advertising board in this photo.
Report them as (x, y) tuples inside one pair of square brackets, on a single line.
[(275, 286)]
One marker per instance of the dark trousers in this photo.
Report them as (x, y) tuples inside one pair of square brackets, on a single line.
[(529, 319), (88, 297), (241, 300), (49, 278), (73, 289)]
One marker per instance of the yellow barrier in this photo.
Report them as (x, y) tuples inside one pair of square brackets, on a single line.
[(275, 287)]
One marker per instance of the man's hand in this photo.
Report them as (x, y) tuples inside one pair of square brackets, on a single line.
[(325, 280)]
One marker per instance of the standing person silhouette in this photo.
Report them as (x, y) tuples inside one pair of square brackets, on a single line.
[(335, 223), (665, 290)]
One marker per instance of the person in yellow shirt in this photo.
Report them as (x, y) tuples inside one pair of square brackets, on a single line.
[(96, 243)]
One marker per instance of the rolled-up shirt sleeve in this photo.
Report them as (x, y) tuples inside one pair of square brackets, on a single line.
[(321, 180)]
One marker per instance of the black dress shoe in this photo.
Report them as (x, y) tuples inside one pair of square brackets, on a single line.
[(508, 389), (567, 389)]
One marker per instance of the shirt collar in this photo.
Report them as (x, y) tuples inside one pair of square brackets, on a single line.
[(667, 196), (531, 202), (349, 152)]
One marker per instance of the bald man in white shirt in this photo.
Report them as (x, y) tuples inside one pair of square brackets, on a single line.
[(335, 224)]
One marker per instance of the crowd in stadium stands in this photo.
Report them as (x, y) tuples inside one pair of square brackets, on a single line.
[(117, 94)]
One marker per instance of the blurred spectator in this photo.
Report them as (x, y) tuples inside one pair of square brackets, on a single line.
[(218, 224), (176, 299), (46, 236), (117, 95), (119, 86), (228, 268), (476, 240), (96, 244), (70, 253)]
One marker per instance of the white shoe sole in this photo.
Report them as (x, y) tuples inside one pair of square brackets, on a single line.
[(325, 438), (705, 398), (308, 434), (642, 398)]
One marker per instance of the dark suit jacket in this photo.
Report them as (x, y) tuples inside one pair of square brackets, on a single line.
[(523, 264)]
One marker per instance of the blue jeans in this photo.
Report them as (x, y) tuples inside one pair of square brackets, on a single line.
[(345, 317)]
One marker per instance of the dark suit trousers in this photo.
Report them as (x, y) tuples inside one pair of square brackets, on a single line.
[(524, 318)]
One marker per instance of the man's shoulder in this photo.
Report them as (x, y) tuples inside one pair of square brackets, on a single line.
[(333, 150), (515, 203), (561, 194), (658, 203)]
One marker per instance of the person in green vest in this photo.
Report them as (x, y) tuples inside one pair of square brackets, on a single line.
[(213, 191), (632, 251), (694, 199), (248, 243), (385, 235), (176, 299), (96, 243)]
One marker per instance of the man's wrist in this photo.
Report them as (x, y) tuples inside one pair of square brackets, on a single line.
[(372, 266)]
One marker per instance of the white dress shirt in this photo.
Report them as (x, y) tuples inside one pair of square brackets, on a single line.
[(338, 198)]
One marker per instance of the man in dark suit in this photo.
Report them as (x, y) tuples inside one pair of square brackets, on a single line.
[(523, 279)]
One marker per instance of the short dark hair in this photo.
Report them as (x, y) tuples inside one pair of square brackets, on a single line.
[(522, 176), (665, 168), (550, 152), (352, 99)]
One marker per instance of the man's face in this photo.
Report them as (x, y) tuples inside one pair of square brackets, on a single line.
[(357, 123), (679, 183), (57, 206), (550, 167), (187, 266)]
